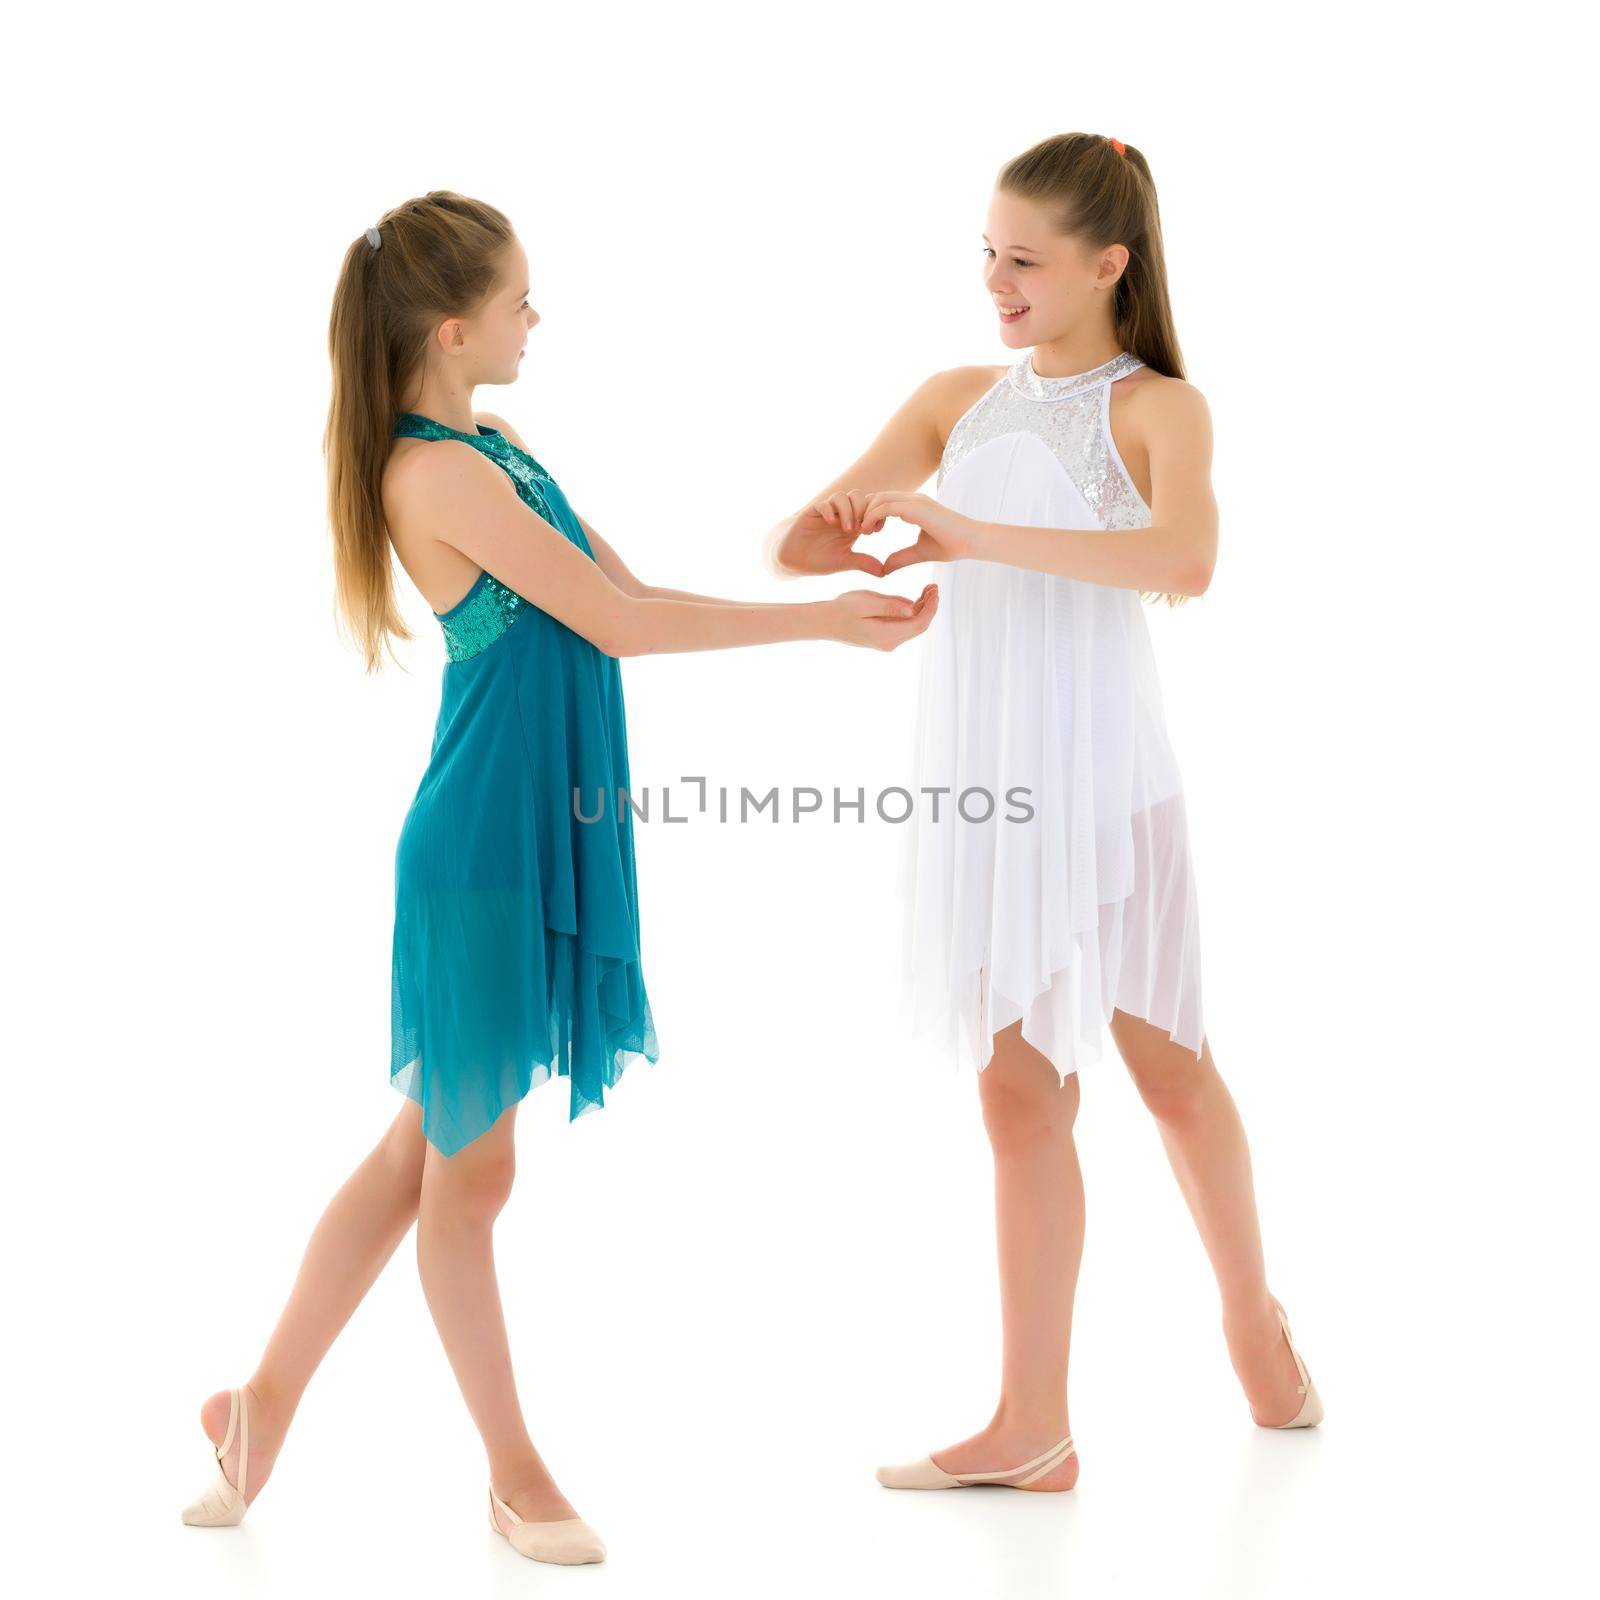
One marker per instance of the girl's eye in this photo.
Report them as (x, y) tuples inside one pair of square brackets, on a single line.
[(1016, 260)]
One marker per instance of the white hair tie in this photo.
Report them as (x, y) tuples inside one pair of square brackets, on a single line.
[(374, 238)]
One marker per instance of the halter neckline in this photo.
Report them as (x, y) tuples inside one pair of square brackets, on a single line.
[(1038, 387), (444, 427)]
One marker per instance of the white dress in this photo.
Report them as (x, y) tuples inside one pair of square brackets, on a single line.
[(1071, 892)]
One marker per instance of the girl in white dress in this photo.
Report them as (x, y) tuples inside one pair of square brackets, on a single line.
[(1049, 889)]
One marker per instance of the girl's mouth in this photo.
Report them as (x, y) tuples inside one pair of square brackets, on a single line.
[(1012, 313)]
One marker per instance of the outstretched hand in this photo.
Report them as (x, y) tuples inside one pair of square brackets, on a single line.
[(882, 621)]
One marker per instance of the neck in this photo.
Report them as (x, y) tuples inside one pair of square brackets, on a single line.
[(1075, 352), (443, 402)]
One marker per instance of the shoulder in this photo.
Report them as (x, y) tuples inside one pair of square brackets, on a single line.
[(1154, 394), (950, 393), (1158, 407), (963, 383), (423, 476)]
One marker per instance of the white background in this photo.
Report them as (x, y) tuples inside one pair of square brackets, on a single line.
[(768, 1264)]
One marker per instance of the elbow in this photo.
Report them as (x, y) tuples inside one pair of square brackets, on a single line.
[(769, 550), (609, 637), (1195, 578)]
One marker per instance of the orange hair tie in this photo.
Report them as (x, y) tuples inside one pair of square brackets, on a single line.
[(1119, 146)]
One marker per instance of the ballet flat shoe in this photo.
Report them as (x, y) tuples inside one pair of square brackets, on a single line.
[(222, 1504), (1310, 1412), (928, 1474), (569, 1540)]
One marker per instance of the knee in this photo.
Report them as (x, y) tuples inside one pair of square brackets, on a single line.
[(481, 1194), (1176, 1095), (471, 1191), (1024, 1118)]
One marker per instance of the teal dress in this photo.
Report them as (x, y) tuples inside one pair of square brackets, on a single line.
[(516, 920)]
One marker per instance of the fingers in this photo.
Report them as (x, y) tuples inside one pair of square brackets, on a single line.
[(876, 605), (897, 632), (925, 610), (892, 607), (848, 509), (884, 503)]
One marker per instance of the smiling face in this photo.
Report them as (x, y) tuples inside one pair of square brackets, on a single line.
[(1044, 284), (498, 330)]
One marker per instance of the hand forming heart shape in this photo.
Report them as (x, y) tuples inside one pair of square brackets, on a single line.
[(818, 538)]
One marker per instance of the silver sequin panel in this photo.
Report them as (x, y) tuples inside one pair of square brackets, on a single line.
[(1069, 414)]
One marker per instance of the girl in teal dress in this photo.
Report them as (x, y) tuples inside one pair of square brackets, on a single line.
[(517, 954), (516, 924)]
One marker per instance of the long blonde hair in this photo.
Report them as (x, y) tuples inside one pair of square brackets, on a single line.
[(1101, 192), (437, 257)]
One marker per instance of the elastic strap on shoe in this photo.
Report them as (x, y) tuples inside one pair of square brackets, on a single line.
[(1037, 1468)]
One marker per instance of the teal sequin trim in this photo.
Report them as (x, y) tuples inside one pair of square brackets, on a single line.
[(525, 473), (482, 614)]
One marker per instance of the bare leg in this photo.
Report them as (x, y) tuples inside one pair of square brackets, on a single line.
[(461, 1197), (349, 1247), (1038, 1191), (1206, 1145)]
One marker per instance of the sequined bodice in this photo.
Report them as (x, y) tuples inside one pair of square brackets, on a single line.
[(1072, 416), (488, 608)]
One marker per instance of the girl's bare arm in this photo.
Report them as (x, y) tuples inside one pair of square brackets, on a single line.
[(616, 569), (451, 486)]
